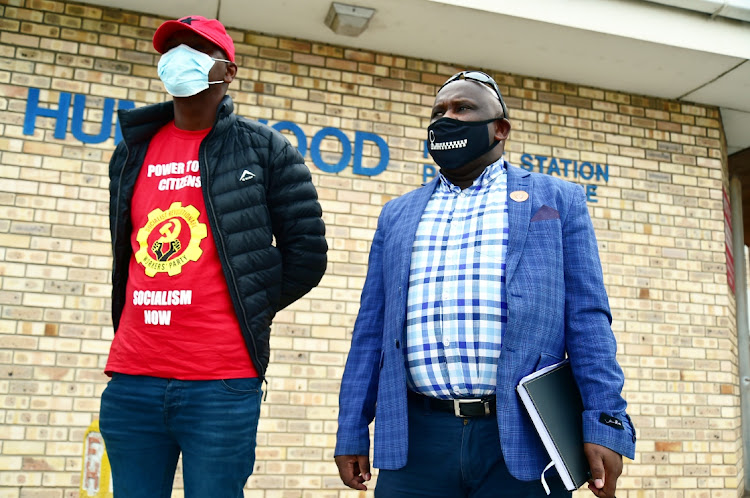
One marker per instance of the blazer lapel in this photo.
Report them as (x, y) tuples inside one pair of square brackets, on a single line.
[(519, 214), (407, 228), (397, 253)]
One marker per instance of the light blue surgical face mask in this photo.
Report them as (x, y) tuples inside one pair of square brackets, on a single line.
[(184, 71)]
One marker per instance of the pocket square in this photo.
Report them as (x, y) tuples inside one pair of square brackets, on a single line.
[(546, 213)]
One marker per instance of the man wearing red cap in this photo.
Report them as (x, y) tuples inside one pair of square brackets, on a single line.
[(215, 227)]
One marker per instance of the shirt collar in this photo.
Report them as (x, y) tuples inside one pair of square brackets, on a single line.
[(487, 178)]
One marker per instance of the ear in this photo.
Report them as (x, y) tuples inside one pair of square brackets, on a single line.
[(502, 129), (230, 72)]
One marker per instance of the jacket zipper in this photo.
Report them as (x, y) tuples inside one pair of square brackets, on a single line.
[(220, 244)]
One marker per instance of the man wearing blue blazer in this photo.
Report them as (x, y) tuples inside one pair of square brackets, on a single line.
[(482, 276)]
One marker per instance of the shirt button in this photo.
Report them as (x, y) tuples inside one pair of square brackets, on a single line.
[(446, 343)]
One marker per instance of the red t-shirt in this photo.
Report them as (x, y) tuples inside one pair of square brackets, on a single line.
[(178, 320)]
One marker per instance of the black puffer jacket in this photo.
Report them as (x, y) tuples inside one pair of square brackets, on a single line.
[(279, 202)]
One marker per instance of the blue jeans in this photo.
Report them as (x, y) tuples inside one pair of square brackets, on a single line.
[(452, 457), (147, 421)]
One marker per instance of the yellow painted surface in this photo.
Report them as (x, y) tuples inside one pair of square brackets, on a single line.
[(96, 476)]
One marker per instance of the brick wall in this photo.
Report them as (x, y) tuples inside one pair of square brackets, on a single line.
[(657, 212)]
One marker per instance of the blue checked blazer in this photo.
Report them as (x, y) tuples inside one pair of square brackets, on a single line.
[(557, 306)]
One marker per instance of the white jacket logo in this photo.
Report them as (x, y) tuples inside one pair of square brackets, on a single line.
[(455, 144), (246, 175)]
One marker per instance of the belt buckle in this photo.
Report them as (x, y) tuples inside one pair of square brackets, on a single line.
[(458, 402)]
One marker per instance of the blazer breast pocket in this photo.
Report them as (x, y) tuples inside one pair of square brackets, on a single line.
[(545, 218), (545, 213), (545, 225)]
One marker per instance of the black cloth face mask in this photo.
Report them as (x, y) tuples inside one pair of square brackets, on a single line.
[(454, 143)]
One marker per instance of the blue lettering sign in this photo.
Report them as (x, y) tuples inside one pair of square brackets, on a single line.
[(428, 172), (33, 110), (346, 153), (526, 162), (586, 174), (585, 170), (541, 160), (602, 173), (566, 163), (79, 107), (359, 139), (553, 167), (591, 193)]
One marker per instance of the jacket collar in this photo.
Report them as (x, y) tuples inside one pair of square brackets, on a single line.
[(142, 123)]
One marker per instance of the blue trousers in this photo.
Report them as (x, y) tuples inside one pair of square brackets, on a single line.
[(452, 457), (147, 422)]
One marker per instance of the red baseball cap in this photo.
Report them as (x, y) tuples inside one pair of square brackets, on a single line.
[(210, 29)]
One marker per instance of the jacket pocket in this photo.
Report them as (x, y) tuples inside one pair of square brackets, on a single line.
[(552, 226)]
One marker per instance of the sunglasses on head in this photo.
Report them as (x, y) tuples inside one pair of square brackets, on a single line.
[(482, 78)]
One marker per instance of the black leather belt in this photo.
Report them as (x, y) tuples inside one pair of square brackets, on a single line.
[(466, 407)]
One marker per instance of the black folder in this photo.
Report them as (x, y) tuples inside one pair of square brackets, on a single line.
[(553, 401)]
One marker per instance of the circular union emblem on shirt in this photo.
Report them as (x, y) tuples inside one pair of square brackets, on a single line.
[(170, 239)]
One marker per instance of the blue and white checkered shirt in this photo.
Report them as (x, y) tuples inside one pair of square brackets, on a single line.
[(457, 308)]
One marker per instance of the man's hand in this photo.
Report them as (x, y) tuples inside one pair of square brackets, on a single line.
[(606, 467), (354, 470)]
